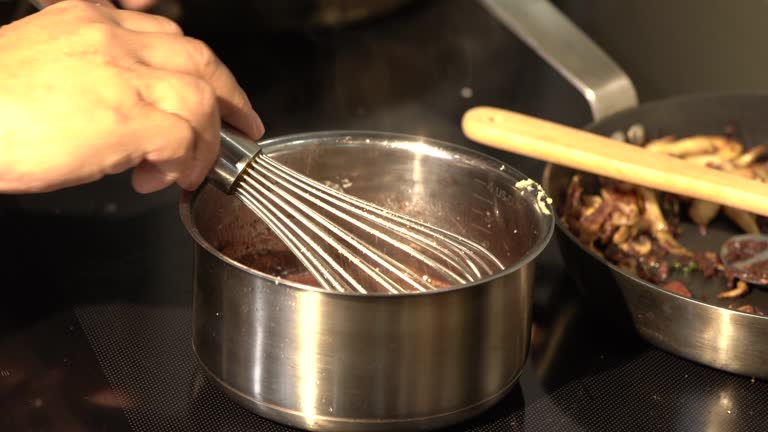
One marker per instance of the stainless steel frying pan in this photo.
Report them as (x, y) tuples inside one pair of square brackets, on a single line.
[(702, 329)]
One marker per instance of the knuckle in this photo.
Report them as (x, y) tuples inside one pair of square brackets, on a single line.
[(97, 35), (169, 26), (242, 102), (201, 52), (77, 8), (176, 149), (76, 5), (184, 142), (203, 93), (180, 139), (188, 181), (207, 150)]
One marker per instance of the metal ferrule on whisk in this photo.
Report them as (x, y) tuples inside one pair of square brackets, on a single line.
[(236, 153)]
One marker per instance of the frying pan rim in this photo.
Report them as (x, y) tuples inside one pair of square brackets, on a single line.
[(546, 184), (544, 238)]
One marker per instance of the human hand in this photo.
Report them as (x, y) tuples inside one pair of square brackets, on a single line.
[(88, 90), (138, 5)]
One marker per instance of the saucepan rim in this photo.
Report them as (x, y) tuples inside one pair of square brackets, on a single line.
[(545, 214)]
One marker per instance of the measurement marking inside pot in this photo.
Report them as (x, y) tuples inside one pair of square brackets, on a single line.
[(483, 199), (481, 228)]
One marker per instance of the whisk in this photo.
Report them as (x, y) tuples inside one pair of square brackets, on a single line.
[(347, 244)]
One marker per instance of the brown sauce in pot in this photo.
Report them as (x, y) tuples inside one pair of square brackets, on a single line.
[(284, 265)]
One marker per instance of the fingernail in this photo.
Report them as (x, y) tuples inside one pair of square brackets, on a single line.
[(150, 184), (258, 126), (192, 182), (147, 179)]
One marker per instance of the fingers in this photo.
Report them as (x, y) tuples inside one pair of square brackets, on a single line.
[(41, 4), (137, 4), (190, 56), (166, 149), (191, 105), (187, 89), (136, 21), (148, 177), (130, 20), (142, 22)]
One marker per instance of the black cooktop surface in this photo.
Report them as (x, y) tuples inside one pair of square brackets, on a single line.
[(95, 319)]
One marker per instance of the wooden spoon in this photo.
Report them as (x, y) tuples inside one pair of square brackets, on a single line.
[(599, 155)]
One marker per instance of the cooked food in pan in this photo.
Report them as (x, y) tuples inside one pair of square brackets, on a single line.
[(638, 229)]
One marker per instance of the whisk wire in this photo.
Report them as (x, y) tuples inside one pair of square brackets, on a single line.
[(304, 214), (402, 271), (462, 245), (322, 260), (309, 260), (381, 259), (311, 187)]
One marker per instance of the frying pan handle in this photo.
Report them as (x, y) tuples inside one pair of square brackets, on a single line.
[(570, 51)]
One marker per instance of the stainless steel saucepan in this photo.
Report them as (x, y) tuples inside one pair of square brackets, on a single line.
[(324, 360)]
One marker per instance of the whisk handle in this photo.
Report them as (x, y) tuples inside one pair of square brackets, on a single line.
[(236, 152)]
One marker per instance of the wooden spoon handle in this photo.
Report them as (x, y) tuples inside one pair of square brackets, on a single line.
[(592, 153)]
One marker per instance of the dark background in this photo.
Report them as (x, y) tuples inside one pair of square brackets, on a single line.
[(96, 280)]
